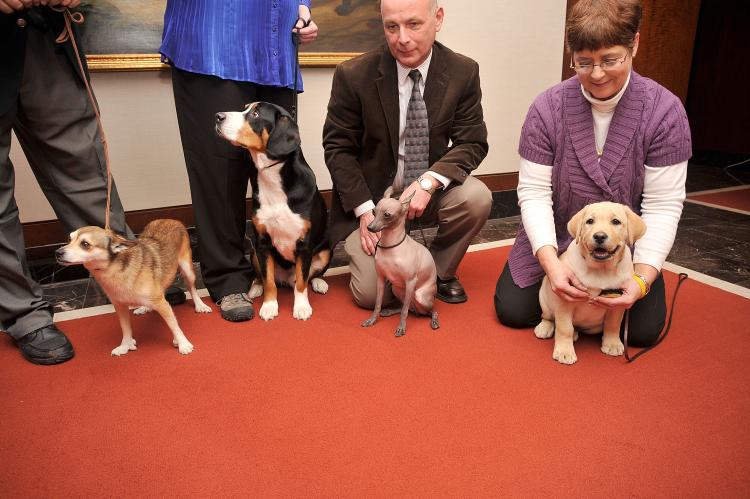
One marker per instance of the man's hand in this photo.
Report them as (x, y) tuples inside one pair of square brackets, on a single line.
[(420, 200), (368, 239), (67, 4), (8, 6), (306, 33)]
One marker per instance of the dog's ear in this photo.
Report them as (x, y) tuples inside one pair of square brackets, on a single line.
[(636, 226), (284, 138), (405, 202), (575, 223), (117, 243), (388, 192)]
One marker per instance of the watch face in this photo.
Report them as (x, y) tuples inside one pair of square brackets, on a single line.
[(426, 184)]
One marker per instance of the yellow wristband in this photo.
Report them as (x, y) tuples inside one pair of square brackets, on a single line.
[(643, 283)]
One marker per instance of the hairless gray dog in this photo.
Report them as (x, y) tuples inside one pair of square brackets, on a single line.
[(403, 262)]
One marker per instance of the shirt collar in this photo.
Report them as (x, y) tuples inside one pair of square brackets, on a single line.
[(606, 106), (403, 71)]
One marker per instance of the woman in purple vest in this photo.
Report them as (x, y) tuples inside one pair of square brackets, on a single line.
[(607, 134)]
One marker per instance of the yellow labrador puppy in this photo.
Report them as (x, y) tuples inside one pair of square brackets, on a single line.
[(600, 258)]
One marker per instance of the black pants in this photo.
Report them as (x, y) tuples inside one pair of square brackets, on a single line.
[(519, 308), (218, 173)]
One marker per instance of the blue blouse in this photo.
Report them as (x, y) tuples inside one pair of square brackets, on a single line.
[(241, 40)]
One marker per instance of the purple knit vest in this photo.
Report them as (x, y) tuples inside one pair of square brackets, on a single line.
[(649, 127)]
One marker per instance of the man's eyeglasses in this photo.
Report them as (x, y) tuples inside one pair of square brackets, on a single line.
[(605, 65)]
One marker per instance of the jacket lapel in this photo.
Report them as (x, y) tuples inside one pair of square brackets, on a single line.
[(437, 81), (387, 85)]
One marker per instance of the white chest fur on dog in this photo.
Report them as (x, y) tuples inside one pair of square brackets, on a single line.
[(283, 225)]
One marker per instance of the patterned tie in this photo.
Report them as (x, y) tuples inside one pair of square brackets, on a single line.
[(416, 134)]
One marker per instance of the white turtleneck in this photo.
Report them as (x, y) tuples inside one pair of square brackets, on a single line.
[(661, 205)]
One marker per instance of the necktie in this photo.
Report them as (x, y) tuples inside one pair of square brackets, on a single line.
[(416, 134)]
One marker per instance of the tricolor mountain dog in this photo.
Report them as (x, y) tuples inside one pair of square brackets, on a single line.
[(288, 213)]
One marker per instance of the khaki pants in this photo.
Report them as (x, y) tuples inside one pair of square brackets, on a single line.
[(460, 212)]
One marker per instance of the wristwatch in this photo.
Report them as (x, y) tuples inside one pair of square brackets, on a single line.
[(426, 185)]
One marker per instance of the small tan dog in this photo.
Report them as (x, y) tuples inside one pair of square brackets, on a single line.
[(136, 272), (600, 258)]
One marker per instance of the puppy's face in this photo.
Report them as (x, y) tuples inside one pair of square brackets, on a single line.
[(90, 245), (261, 128), (602, 230)]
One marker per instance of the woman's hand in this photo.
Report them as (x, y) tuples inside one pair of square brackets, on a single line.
[(631, 293), (562, 280), (306, 33)]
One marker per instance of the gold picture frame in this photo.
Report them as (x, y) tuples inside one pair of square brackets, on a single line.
[(152, 62), (124, 35)]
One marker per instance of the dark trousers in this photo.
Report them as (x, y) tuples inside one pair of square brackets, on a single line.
[(56, 127), (218, 173), (519, 308)]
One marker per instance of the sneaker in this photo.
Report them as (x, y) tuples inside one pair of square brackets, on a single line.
[(46, 346), (236, 307)]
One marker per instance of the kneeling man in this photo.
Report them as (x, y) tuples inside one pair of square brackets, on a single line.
[(408, 114)]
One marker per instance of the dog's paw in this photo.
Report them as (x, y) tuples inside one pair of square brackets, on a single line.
[(400, 331), (565, 355), (141, 310), (302, 311), (124, 348), (545, 329), (370, 321), (269, 310), (202, 308), (613, 348), (319, 285), (184, 347), (256, 289)]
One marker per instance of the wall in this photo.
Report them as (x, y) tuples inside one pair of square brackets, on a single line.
[(516, 42)]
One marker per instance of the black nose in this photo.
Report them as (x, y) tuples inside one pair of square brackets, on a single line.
[(59, 252), (600, 237), (220, 117)]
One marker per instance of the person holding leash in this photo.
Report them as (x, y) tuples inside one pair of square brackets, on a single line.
[(43, 99), (606, 134), (407, 115), (224, 57)]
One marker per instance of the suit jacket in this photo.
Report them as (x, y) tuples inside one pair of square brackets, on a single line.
[(13, 45), (360, 135)]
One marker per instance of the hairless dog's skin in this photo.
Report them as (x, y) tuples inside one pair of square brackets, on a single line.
[(403, 262)]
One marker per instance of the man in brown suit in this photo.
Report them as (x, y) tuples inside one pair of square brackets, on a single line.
[(375, 126)]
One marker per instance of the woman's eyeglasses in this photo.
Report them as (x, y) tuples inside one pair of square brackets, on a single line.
[(605, 65)]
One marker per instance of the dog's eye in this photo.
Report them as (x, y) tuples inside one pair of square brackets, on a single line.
[(255, 114), (386, 215), (85, 245), (589, 221), (616, 221)]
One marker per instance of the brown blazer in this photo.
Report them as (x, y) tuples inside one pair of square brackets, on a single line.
[(360, 135)]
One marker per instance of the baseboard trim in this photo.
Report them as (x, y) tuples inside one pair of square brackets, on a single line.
[(43, 238)]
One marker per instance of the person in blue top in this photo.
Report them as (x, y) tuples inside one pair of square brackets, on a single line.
[(225, 55)]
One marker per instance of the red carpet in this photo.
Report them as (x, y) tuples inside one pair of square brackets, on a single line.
[(738, 199), (327, 408)]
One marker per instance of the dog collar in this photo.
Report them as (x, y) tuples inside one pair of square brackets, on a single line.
[(273, 164), (378, 245)]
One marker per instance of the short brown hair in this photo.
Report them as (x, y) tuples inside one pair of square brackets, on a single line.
[(594, 24)]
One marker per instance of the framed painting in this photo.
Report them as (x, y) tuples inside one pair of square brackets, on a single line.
[(124, 35)]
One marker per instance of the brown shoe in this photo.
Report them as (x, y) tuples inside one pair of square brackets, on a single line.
[(237, 307)]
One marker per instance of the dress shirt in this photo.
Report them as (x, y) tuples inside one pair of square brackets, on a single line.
[(405, 86)]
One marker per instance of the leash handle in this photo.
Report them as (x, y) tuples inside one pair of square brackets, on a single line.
[(71, 18), (295, 41), (681, 278)]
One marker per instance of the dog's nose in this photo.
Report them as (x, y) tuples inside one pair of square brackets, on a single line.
[(59, 252), (220, 117), (600, 237)]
